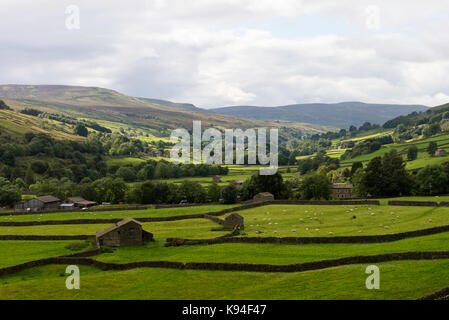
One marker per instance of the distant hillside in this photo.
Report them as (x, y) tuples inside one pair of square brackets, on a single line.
[(431, 115), (157, 116), (183, 106), (340, 115)]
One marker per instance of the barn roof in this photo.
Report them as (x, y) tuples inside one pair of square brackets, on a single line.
[(342, 186), (75, 199), (117, 226), (47, 199), (265, 194)]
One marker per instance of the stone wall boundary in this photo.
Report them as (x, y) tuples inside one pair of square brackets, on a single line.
[(321, 240)]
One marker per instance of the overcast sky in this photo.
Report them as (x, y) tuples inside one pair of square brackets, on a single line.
[(233, 52)]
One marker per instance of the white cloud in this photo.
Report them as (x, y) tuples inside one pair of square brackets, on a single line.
[(215, 53)]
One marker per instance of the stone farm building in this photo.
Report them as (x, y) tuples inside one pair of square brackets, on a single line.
[(45, 203), (79, 202), (342, 191), (264, 196), (234, 220), (127, 232), (440, 153)]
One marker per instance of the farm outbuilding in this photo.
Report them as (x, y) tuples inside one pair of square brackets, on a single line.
[(234, 220), (44, 203), (79, 202), (127, 232), (263, 196), (440, 153), (342, 191)]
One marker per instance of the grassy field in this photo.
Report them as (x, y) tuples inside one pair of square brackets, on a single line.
[(17, 252), (119, 214), (269, 221), (269, 253), (399, 280), (424, 159), (285, 220)]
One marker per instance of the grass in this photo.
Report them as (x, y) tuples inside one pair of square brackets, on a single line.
[(399, 280), (424, 159), (17, 252), (319, 221), (192, 228), (269, 253), (273, 220), (417, 198), (119, 214)]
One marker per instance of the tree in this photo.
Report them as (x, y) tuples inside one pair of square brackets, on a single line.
[(39, 166), (29, 176), (81, 130), (273, 184), (147, 192), (192, 191), (431, 130), (412, 153), (432, 148), (213, 193), (9, 196), (229, 194), (109, 190), (356, 166), (126, 173), (432, 180), (316, 186), (385, 177), (4, 106)]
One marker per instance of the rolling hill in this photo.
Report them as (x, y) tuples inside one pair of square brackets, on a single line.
[(116, 110), (340, 115)]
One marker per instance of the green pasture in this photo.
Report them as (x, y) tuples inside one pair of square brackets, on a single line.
[(117, 214), (17, 252), (399, 280)]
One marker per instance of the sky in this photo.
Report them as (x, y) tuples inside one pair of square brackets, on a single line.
[(215, 53)]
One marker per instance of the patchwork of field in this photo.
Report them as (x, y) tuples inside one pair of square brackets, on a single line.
[(424, 159), (399, 279)]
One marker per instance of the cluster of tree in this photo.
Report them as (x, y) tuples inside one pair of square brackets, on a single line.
[(316, 186), (366, 147), (414, 119), (4, 106), (9, 193), (383, 177), (165, 170), (309, 146), (66, 119), (320, 160), (273, 184), (351, 132)]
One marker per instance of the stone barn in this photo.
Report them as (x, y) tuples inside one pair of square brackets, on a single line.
[(79, 202), (127, 232), (234, 220), (440, 153), (262, 197), (45, 203), (342, 191)]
